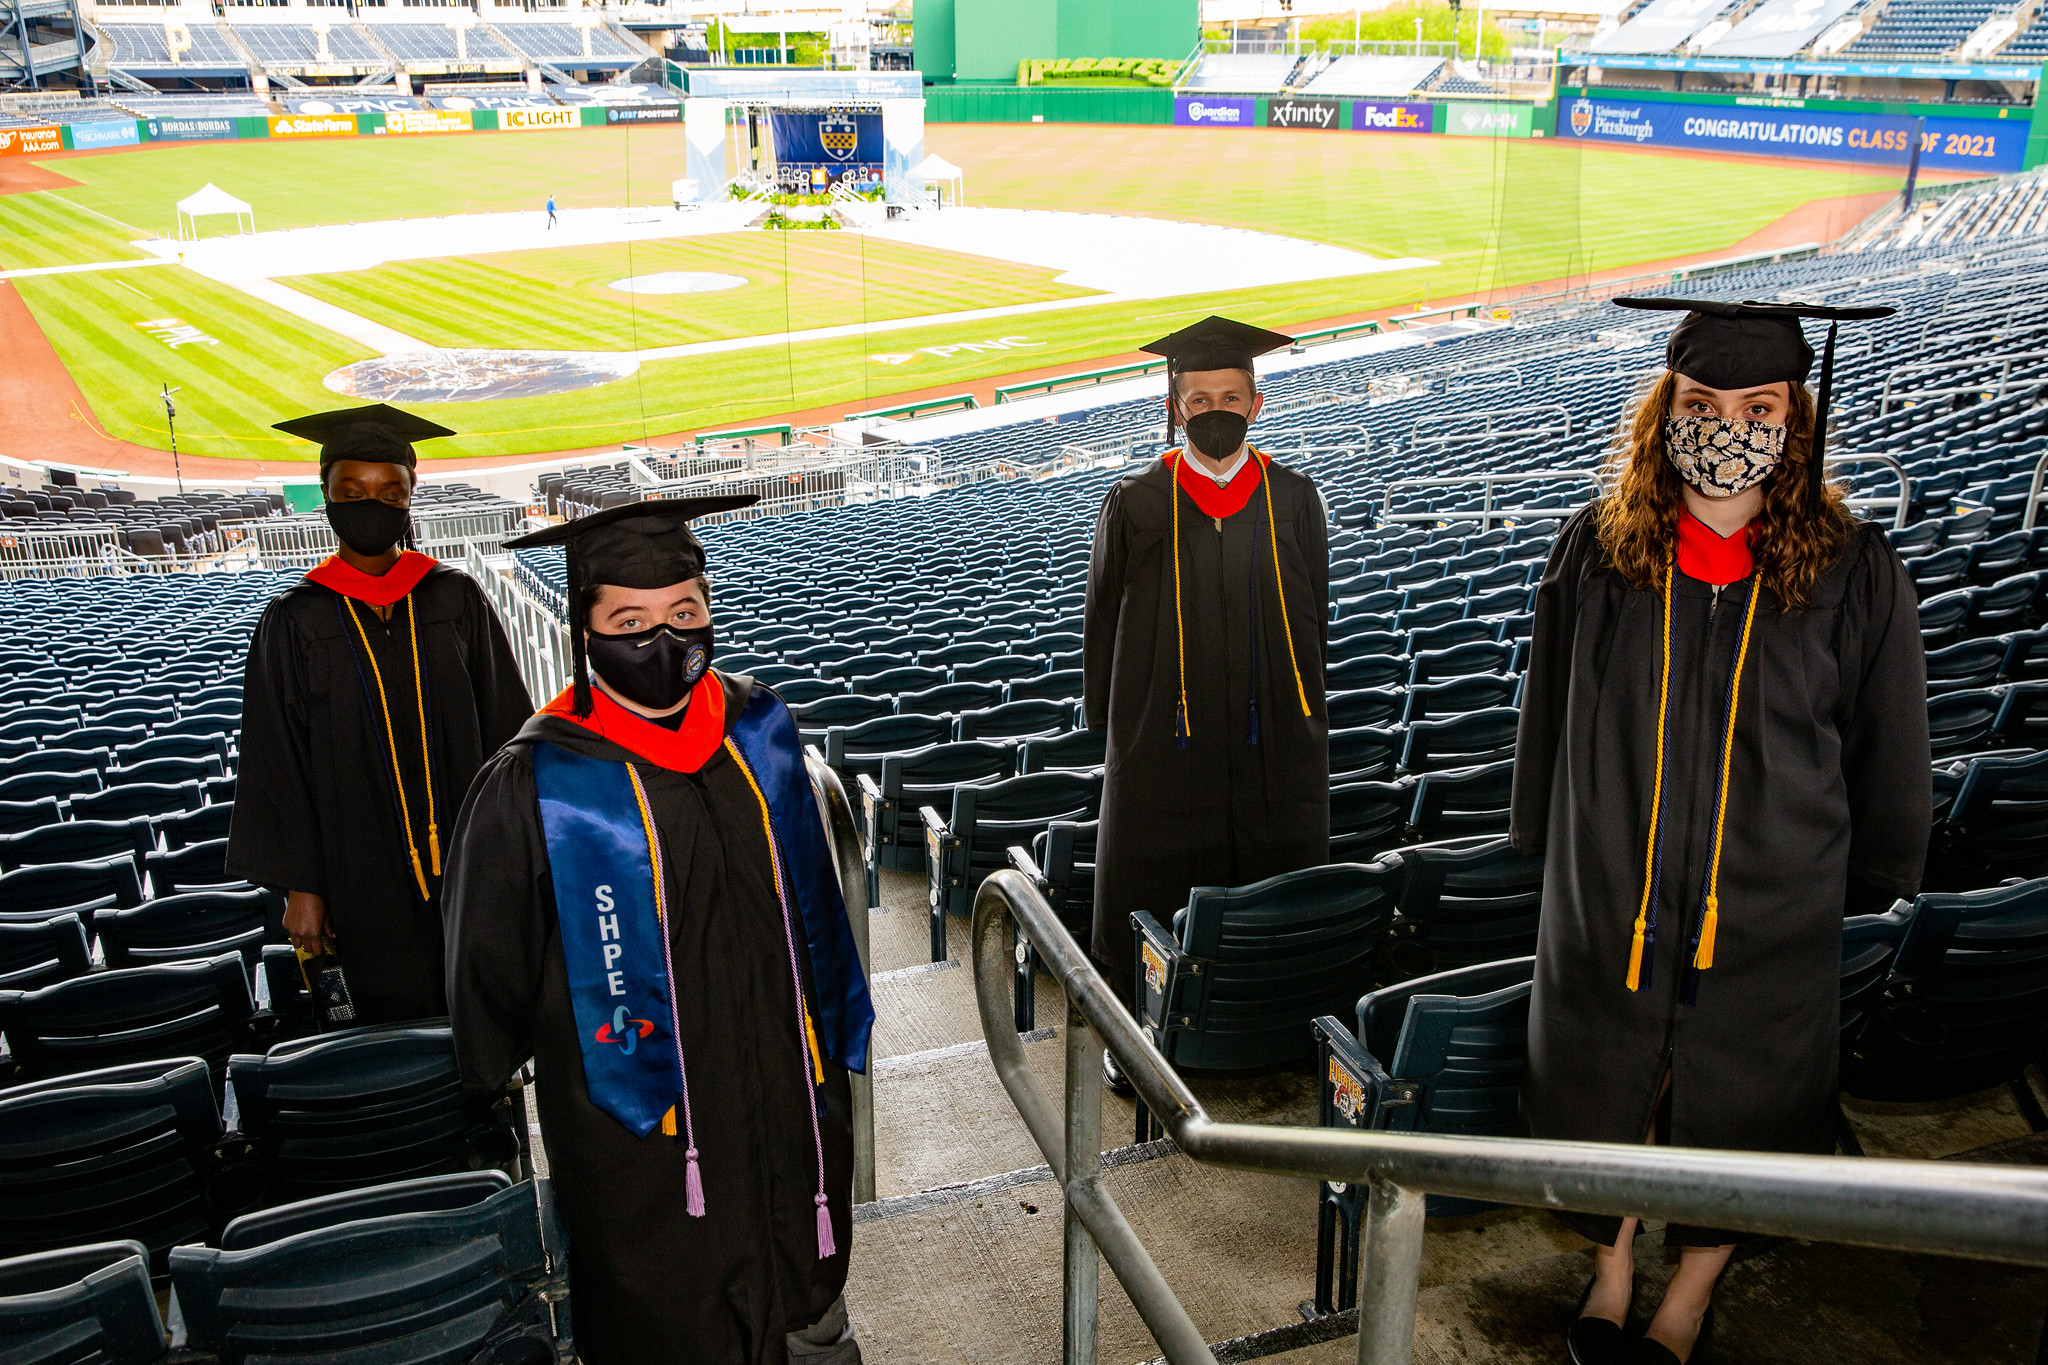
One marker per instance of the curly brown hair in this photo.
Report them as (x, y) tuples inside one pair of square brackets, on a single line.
[(1636, 518)]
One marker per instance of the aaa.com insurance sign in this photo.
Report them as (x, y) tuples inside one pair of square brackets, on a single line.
[(1959, 144), (27, 141), (1210, 111)]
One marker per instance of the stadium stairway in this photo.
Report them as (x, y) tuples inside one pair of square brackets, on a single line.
[(958, 1259)]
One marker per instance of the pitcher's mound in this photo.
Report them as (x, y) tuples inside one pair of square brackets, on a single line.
[(678, 282), (464, 376)]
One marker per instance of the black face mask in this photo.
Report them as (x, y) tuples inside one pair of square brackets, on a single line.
[(368, 526), (654, 668), (1217, 433)]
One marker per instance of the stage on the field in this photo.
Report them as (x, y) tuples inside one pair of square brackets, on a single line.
[(718, 327)]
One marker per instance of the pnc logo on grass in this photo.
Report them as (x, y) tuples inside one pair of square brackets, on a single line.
[(992, 344), (176, 332)]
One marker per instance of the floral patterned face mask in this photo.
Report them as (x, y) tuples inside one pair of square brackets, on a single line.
[(1723, 458)]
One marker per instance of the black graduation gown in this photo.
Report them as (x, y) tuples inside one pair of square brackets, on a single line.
[(1829, 781), (648, 1283), (315, 805), (1228, 809)]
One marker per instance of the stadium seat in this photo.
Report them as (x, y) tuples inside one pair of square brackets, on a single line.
[(180, 1009), (19, 816), (1459, 696), (166, 770), (1467, 741), (906, 781), (56, 886), (1942, 617), (362, 1108), (1368, 671), (175, 746), (132, 1152), (189, 868), (75, 841), (64, 786), (808, 689), (1074, 751), (426, 1286), (1062, 684), (1462, 802), (857, 749), (192, 827), (42, 953), (1015, 720), (198, 925), (1368, 818), (1462, 904), (1453, 1046), (1061, 864), (1965, 1005), (815, 717), (949, 699), (891, 681), (82, 1303), (986, 820), (1995, 827), (51, 760), (1364, 753), (1966, 664), (146, 799), (1960, 722)]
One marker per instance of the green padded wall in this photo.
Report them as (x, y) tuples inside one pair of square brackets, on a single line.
[(931, 28)]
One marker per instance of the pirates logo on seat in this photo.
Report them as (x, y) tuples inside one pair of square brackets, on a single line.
[(839, 135)]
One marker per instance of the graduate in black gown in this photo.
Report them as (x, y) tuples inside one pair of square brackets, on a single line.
[(1207, 627), (1723, 750), (642, 902), (374, 690)]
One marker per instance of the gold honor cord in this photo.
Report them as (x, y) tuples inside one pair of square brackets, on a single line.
[(1273, 529), (1703, 957), (419, 695), (391, 738), (1635, 947), (1180, 633)]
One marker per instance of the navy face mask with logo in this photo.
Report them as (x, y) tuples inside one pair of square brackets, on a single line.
[(656, 667)]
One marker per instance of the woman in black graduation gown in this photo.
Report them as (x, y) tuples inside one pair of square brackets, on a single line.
[(374, 690), (1723, 750), (707, 1195)]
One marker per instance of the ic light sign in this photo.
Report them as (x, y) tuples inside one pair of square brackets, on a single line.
[(539, 118)]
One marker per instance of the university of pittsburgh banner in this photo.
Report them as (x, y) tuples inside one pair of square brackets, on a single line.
[(816, 148)]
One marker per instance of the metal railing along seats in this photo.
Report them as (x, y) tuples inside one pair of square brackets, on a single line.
[(1486, 513), (1950, 1209), (1561, 427)]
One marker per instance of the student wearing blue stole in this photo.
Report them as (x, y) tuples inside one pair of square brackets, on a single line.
[(641, 900)]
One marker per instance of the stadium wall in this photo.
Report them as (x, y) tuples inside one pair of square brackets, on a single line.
[(984, 40), (79, 137)]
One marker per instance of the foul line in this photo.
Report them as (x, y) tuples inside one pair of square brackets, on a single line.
[(140, 232), (80, 269)]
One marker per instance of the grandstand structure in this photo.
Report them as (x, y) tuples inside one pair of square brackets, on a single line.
[(1244, 65), (922, 614)]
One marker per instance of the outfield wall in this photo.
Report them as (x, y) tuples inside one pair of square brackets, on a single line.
[(80, 137)]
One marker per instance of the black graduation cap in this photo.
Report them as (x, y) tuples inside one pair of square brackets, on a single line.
[(1214, 343), (1741, 345), (379, 433), (636, 545)]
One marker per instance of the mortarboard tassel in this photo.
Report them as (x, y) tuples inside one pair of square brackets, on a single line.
[(1817, 495), (693, 1185), (579, 667), (1703, 958), (826, 1246)]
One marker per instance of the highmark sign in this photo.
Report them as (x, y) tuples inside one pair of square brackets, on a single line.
[(1963, 144)]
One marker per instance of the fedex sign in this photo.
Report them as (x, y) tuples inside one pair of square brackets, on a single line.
[(1370, 117), (1208, 111)]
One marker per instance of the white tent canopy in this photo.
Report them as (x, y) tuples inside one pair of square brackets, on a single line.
[(210, 202), (950, 181)]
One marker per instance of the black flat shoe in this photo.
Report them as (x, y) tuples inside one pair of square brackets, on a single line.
[(1648, 1352), (1594, 1341), (1113, 1076)]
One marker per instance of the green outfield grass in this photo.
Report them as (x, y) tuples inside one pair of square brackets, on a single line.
[(1493, 214), (562, 300)]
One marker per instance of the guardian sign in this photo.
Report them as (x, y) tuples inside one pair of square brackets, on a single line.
[(1202, 111)]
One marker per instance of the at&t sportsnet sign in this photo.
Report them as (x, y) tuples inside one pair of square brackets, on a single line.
[(1209, 111), (1816, 134)]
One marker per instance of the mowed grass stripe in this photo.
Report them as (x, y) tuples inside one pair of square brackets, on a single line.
[(265, 365), (39, 229), (563, 299)]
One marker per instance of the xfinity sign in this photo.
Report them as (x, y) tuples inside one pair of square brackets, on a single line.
[(1212, 112), (1301, 113)]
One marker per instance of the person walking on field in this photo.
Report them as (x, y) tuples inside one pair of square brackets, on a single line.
[(1207, 625), (1723, 751), (551, 213)]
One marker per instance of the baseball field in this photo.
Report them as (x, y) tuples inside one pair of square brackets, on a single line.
[(795, 321)]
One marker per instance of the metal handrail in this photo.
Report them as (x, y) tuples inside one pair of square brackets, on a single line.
[(1415, 428), (1886, 397), (1950, 1209), (1487, 513), (1900, 504), (2033, 507)]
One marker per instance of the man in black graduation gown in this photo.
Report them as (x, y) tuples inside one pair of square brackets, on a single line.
[(1688, 964), (1207, 627), (641, 901), (375, 689)]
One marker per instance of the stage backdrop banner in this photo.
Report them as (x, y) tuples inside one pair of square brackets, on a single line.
[(817, 148), (1959, 144), (1211, 111)]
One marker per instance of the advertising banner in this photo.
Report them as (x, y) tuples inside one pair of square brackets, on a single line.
[(355, 104), (816, 149), (1370, 116), (189, 129), (643, 113), (1212, 111), (26, 141), (529, 119), (426, 121), (724, 82), (1978, 145), (313, 125), (1295, 111), (85, 137), (1488, 120), (521, 101)]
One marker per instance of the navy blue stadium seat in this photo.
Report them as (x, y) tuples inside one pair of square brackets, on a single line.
[(180, 1009), (1369, 818), (1365, 706), (1960, 722), (857, 749), (39, 954), (1462, 802), (949, 699), (1480, 656), (808, 689), (138, 799), (813, 718), (198, 925), (189, 868), (1965, 664), (64, 786), (1015, 720), (361, 1108), (1062, 684), (197, 826), (54, 886), (82, 1303), (53, 760), (1461, 904), (1076, 750), (1457, 697), (895, 838), (19, 816), (124, 1152), (175, 746), (164, 770), (425, 1287), (1942, 617), (2022, 719), (890, 681), (1439, 1054), (1467, 741), (74, 841), (985, 821), (1367, 671), (1994, 827), (427, 1194)]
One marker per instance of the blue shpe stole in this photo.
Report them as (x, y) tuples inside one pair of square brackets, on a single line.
[(766, 737), (613, 942)]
